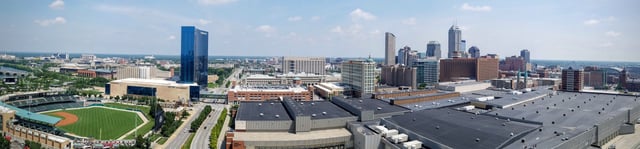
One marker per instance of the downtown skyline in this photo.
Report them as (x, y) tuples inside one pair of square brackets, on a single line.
[(549, 29)]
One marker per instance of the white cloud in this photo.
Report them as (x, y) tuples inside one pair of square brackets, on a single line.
[(171, 37), (375, 32), (57, 4), (612, 34), (606, 44), (409, 21), (315, 18), (591, 22), (359, 14), (336, 29), (295, 18), (265, 29), (293, 34), (215, 2), (204, 22), (57, 20), (468, 7)]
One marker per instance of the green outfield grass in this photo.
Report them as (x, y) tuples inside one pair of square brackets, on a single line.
[(91, 121)]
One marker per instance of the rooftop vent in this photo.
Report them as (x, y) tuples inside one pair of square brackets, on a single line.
[(277, 116), (324, 113), (360, 101), (313, 103), (477, 139), (272, 103), (261, 114), (301, 103), (511, 134), (313, 115), (379, 108), (259, 104)]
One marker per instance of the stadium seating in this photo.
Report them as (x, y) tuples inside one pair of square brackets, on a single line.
[(47, 103)]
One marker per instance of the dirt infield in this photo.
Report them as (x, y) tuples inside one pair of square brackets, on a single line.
[(67, 119)]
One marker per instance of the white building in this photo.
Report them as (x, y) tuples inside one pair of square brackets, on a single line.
[(311, 65), (360, 75)]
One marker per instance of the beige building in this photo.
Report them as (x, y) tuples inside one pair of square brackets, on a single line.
[(262, 93), (396, 75), (141, 72), (283, 79), (167, 90), (330, 90), (311, 65)]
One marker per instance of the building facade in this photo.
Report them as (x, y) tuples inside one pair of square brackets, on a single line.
[(166, 90), (194, 56), (433, 49), (572, 80), (514, 63), (479, 69), (397, 75), (427, 71), (263, 93), (360, 75), (455, 37), (140, 72), (526, 55), (310, 65), (389, 49)]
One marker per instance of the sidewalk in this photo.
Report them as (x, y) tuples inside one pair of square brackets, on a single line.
[(173, 136)]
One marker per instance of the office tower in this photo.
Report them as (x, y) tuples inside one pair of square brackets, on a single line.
[(194, 57), (433, 49), (455, 35), (404, 55), (389, 48), (422, 55), (572, 80), (526, 55), (478, 69), (463, 47), (474, 52), (397, 75), (427, 71), (311, 65), (360, 75), (413, 56)]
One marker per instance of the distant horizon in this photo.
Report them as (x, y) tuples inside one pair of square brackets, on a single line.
[(177, 55)]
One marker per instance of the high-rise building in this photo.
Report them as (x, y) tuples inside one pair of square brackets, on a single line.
[(405, 54), (194, 57), (411, 57), (398, 75), (427, 70), (433, 49), (526, 55), (463, 47), (474, 52), (390, 49), (310, 65), (479, 69), (455, 37), (360, 75), (595, 77), (572, 80)]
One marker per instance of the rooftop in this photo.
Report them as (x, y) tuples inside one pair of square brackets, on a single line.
[(458, 129), (262, 111), (24, 114), (569, 113), (269, 88), (378, 106), (316, 109)]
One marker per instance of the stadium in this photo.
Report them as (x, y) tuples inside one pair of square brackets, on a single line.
[(58, 120)]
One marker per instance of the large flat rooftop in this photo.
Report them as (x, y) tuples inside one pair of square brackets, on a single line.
[(375, 105), (155, 82), (458, 129), (316, 109), (262, 111), (268, 88), (570, 113)]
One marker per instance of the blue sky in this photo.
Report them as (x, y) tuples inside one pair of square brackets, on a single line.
[(605, 30)]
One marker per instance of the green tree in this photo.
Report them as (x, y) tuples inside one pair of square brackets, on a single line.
[(4, 143)]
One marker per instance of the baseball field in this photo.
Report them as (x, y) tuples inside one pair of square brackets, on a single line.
[(97, 122)]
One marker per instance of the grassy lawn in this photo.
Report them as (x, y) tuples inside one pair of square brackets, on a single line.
[(145, 110), (101, 123), (162, 140)]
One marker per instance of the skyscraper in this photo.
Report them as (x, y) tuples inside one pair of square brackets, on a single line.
[(360, 75), (194, 56), (427, 70), (572, 80), (463, 47), (433, 49), (404, 55), (526, 55), (455, 37), (474, 52), (390, 49)]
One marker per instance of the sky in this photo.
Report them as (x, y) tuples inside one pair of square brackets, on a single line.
[(598, 30)]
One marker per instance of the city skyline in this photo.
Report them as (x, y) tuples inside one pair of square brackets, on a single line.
[(348, 29)]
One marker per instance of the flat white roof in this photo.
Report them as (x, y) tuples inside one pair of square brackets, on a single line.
[(153, 82), (268, 89)]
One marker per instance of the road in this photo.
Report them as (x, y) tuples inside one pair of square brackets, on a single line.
[(183, 134), (201, 139)]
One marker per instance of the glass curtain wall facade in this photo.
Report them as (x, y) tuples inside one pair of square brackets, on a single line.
[(194, 57)]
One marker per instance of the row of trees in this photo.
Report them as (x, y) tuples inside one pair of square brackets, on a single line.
[(215, 132), (198, 121), (222, 73)]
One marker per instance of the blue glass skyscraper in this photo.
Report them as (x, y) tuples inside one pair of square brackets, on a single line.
[(194, 57)]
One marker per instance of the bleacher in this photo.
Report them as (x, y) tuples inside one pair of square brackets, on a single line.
[(47, 103)]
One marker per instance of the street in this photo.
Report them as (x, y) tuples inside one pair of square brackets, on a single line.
[(183, 134), (201, 139)]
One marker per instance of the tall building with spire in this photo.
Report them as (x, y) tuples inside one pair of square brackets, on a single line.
[(390, 49), (455, 39)]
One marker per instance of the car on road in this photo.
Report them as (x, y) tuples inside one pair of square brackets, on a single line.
[(205, 127)]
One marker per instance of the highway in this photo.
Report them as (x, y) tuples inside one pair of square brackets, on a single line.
[(201, 139), (183, 134)]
